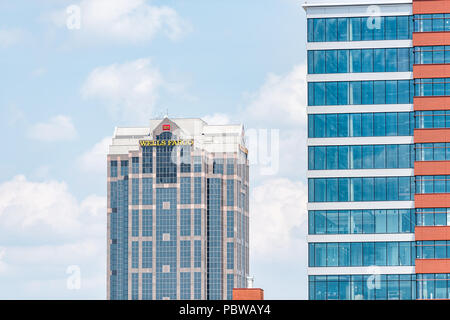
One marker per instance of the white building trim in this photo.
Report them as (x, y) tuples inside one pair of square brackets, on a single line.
[(360, 141), (360, 173), (361, 108), (361, 270), (369, 44), (359, 76), (381, 237), (360, 205)]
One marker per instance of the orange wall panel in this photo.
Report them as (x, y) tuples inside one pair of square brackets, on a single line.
[(432, 200), (431, 6), (431, 38), (432, 265), (431, 168), (431, 135), (432, 233), (431, 103), (431, 71), (248, 294)]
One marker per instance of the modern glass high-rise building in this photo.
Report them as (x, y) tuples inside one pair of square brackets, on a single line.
[(178, 211), (378, 149)]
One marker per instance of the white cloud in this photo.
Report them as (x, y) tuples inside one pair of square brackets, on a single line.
[(129, 90), (278, 212), (127, 21), (217, 119), (94, 160), (26, 205), (58, 128), (281, 99), (10, 37), (43, 230)]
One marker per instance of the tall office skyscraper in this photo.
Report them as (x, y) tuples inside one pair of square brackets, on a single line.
[(178, 211), (378, 148)]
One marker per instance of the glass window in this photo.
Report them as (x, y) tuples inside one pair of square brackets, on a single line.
[(343, 61), (368, 221), (367, 92), (343, 94), (391, 92), (380, 221), (355, 29), (367, 124), (391, 60), (319, 30), (342, 29), (403, 27), (367, 60), (331, 32), (331, 125), (319, 93), (355, 60), (343, 157), (379, 120), (367, 152), (343, 120), (319, 61), (380, 189), (332, 158), (380, 253), (379, 92), (379, 60), (331, 58), (391, 28)]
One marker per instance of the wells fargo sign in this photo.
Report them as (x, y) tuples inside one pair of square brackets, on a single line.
[(163, 143)]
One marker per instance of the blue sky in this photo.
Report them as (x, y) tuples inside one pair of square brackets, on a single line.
[(62, 92)]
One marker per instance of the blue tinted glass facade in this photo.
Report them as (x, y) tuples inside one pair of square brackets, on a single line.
[(430, 217), (147, 191), (147, 254), (363, 287), (432, 87), (380, 156), (363, 189), (378, 124), (361, 153), (172, 201), (358, 254), (433, 184), (147, 286), (214, 251), (119, 240), (437, 119), (166, 250), (356, 29), (334, 93), (431, 22), (166, 167), (124, 167), (185, 285), (432, 151), (135, 223), (380, 221), (185, 222), (433, 286), (439, 249), (432, 54), (185, 190), (360, 60), (134, 286), (147, 223)]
